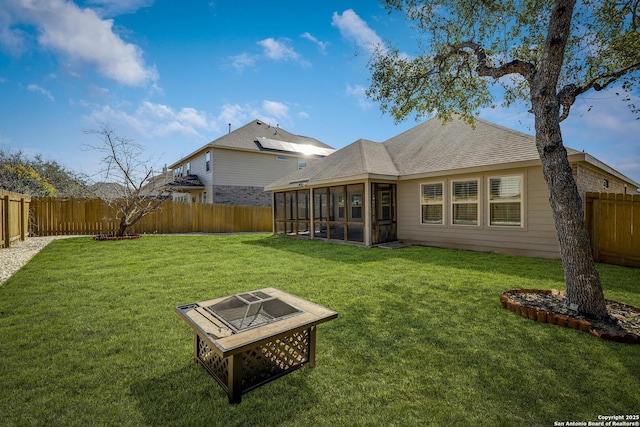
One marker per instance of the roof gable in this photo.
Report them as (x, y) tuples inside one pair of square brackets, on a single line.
[(248, 137), (433, 146), (245, 137)]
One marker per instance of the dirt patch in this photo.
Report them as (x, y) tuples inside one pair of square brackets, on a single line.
[(549, 306)]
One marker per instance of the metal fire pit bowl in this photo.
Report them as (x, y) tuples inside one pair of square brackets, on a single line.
[(251, 309), (248, 339)]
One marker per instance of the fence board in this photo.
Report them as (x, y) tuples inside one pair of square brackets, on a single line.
[(14, 217), (613, 220), (53, 216)]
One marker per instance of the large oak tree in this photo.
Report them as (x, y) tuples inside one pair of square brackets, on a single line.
[(543, 53)]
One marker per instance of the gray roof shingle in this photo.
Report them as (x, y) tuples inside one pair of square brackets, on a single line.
[(426, 148), (244, 137)]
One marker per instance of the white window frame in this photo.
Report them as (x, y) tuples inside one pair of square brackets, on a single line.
[(442, 202), (453, 202), (207, 161), (498, 201)]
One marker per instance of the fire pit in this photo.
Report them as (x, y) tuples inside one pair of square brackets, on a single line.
[(248, 339)]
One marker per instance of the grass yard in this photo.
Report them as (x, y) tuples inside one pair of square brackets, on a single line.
[(89, 337)]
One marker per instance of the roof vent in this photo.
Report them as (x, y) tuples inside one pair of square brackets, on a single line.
[(258, 122)]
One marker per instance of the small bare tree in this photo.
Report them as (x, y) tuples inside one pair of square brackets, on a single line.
[(136, 194)]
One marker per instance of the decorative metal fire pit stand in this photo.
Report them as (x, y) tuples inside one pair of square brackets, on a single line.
[(249, 339)]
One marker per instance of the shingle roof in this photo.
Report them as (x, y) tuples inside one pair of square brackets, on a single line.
[(427, 148), (361, 157), (244, 137), (434, 147)]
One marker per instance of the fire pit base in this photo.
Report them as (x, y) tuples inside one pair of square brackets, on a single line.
[(242, 372), (241, 360)]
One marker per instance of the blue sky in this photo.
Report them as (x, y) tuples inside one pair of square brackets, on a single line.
[(172, 75)]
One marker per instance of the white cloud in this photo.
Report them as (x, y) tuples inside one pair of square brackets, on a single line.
[(353, 28), (233, 114), (39, 89), (321, 45), (81, 36), (303, 115), (151, 119), (275, 50), (117, 7), (358, 92), (242, 61), (159, 120), (276, 109), (278, 49)]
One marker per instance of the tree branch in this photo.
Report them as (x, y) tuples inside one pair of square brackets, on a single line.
[(567, 95), (525, 69)]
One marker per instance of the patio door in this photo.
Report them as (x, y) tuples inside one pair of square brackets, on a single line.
[(383, 213)]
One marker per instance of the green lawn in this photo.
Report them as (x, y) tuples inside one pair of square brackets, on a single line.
[(89, 337)]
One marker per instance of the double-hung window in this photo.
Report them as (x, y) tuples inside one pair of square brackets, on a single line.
[(464, 202), (432, 203), (505, 201)]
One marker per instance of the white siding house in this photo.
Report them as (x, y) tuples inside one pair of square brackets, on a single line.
[(234, 168)]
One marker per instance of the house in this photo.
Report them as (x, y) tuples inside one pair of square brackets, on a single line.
[(453, 186), (234, 168)]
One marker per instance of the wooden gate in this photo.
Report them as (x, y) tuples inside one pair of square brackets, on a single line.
[(613, 221)]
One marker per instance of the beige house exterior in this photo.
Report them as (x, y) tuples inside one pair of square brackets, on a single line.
[(234, 168), (453, 186)]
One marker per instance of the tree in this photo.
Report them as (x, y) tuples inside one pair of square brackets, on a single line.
[(39, 178), (542, 53), (137, 193)]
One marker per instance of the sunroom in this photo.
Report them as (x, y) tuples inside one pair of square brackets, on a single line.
[(360, 212)]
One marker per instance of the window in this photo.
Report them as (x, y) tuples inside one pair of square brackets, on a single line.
[(354, 197), (285, 158), (188, 168), (505, 201), (385, 205), (207, 160), (432, 203), (464, 201), (302, 163)]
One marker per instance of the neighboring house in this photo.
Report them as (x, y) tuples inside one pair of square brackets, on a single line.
[(450, 186), (234, 168)]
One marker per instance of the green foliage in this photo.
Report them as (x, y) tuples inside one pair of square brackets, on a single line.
[(89, 337), (39, 178), (448, 76)]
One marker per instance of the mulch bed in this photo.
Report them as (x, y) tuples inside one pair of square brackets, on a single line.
[(549, 306), (112, 237)]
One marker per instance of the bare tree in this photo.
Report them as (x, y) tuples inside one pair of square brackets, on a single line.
[(135, 193), (543, 53)]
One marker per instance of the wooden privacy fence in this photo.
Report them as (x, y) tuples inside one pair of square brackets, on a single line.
[(613, 221), (51, 216), (14, 213)]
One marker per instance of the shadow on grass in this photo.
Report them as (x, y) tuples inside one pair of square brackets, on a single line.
[(189, 396)]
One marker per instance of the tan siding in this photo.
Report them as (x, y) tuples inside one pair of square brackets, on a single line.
[(536, 238), (241, 168)]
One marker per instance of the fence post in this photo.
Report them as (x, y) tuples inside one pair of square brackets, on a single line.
[(7, 224), (596, 209), (23, 234)]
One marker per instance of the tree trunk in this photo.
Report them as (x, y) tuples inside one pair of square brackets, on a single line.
[(582, 281), (122, 227)]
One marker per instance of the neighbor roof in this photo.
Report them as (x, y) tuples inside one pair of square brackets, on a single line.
[(248, 137)]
